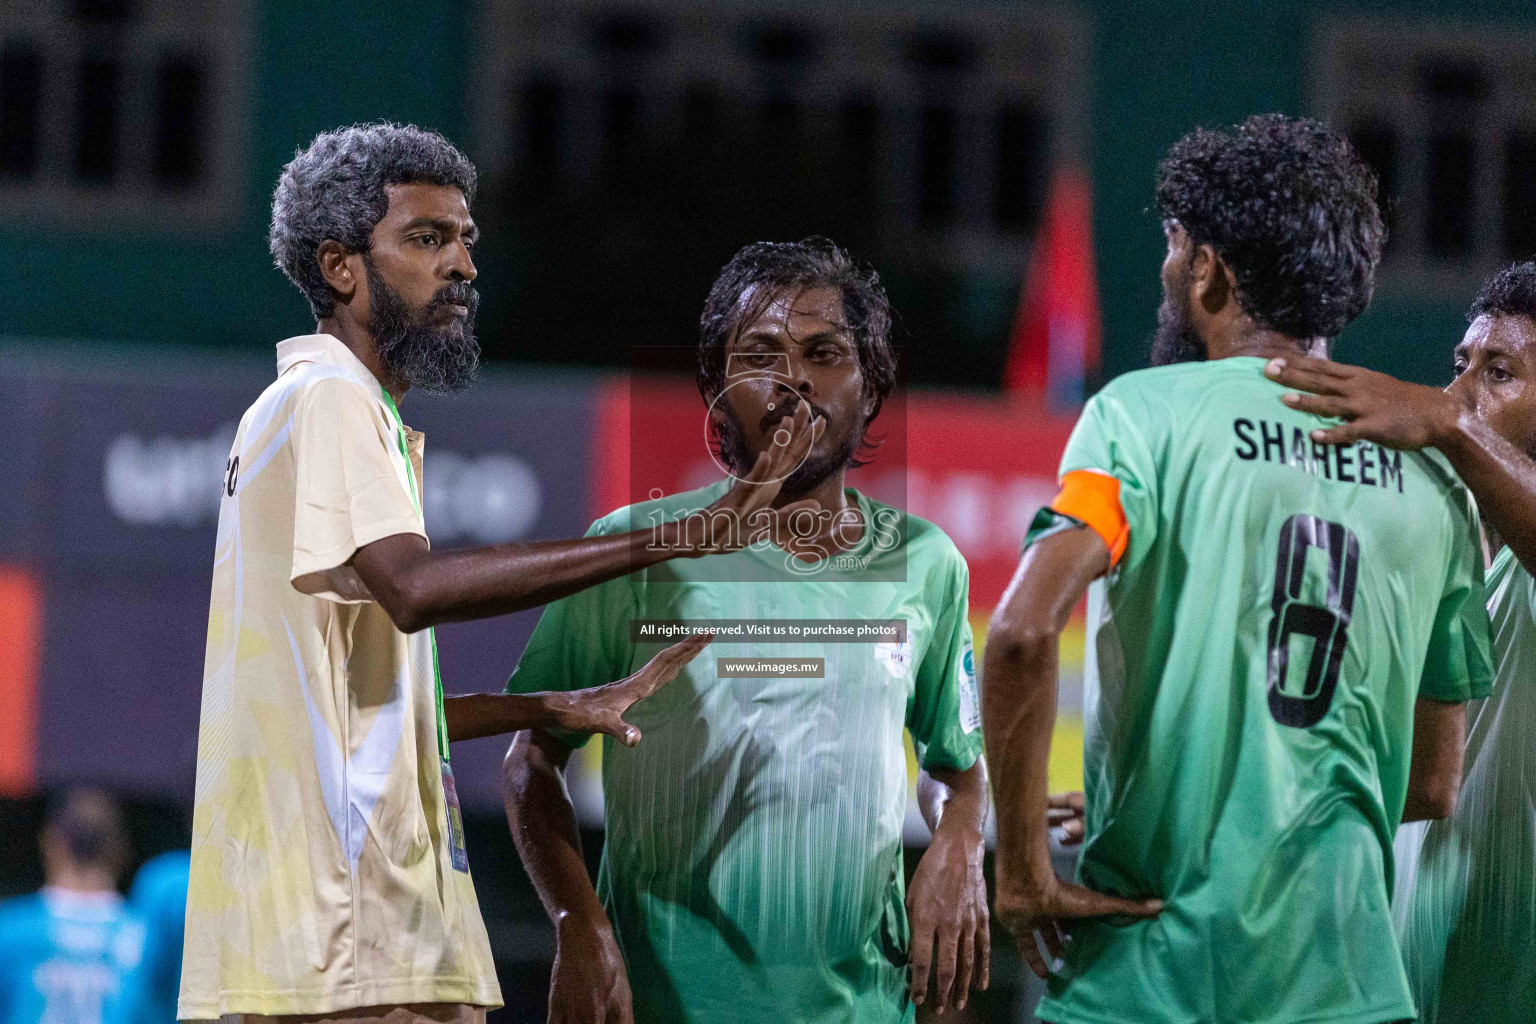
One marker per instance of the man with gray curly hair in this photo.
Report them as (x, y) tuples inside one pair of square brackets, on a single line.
[(329, 879), (332, 197)]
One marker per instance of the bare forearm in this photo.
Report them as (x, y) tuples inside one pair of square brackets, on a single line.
[(1018, 700), (543, 825), (1435, 765), (478, 583), (1502, 478), (954, 799), (474, 715), (1019, 707), (1415, 809)]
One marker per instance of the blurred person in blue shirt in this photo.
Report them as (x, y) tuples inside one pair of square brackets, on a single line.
[(73, 952), (159, 897)]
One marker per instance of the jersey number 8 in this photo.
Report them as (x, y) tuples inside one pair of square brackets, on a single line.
[(1326, 624)]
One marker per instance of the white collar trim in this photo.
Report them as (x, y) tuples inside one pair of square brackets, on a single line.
[(325, 350)]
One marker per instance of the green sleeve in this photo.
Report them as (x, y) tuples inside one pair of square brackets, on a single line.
[(1111, 437), (580, 641), (1457, 666), (1047, 522), (944, 713)]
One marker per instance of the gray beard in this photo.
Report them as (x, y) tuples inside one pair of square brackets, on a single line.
[(437, 360)]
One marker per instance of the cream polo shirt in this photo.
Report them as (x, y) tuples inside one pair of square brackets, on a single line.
[(323, 872)]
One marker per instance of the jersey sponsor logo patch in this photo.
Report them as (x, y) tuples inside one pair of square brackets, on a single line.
[(970, 703), (896, 657)]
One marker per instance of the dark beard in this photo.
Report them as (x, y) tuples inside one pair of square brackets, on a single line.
[(738, 455), (1175, 340), (438, 360)]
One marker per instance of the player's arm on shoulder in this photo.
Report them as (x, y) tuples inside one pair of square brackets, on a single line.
[(1398, 414), (588, 982), (1434, 775)]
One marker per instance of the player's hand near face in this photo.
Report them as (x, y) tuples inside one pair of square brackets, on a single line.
[(601, 709), (1374, 406), (744, 513)]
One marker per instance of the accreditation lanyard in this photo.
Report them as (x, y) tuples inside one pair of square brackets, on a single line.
[(437, 675)]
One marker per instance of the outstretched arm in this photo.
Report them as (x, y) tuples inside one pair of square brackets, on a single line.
[(420, 588), (1394, 413), (598, 709), (589, 984), (1018, 715)]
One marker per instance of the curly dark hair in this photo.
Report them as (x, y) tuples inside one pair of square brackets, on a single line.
[(334, 189), (761, 272), (1510, 292), (1291, 208)]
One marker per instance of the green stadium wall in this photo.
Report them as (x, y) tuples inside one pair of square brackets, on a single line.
[(1156, 70)]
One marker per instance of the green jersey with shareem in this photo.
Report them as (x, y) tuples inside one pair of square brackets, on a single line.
[(1252, 665), (752, 868)]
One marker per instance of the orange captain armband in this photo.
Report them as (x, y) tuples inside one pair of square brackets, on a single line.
[(1094, 498)]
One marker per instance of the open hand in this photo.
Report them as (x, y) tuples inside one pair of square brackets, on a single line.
[(601, 708), (1374, 406), (1049, 906), (951, 930)]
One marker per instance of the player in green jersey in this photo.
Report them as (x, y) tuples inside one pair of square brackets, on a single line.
[(1274, 624), (1465, 902), (752, 869)]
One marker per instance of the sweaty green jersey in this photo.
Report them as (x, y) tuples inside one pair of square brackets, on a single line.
[(753, 861), (1466, 895), (1251, 670)]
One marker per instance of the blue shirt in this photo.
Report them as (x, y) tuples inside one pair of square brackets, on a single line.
[(159, 897), (69, 958)]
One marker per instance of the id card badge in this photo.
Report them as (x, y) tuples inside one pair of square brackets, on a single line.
[(459, 854)]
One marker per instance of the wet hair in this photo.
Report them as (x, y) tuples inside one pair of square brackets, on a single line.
[(335, 189), (1510, 292), (1291, 208), (88, 823), (762, 272)]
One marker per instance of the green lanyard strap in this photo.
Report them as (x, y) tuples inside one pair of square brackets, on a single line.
[(437, 674)]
